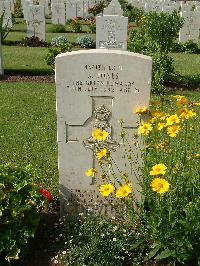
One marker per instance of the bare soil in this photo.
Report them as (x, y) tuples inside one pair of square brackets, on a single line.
[(28, 78)]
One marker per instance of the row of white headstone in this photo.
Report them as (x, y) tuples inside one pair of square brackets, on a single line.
[(61, 12), (189, 10)]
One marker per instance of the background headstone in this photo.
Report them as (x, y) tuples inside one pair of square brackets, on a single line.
[(96, 88), (114, 8), (1, 59), (36, 21), (58, 13), (70, 9), (112, 30), (5, 8)]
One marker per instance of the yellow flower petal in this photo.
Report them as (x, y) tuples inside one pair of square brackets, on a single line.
[(160, 185)]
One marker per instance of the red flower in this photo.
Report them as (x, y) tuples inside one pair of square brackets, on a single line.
[(46, 194)]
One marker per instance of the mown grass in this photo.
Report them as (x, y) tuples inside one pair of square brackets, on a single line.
[(25, 60), (28, 128), (30, 60)]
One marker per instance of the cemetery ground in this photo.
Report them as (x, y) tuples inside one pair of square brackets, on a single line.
[(28, 128)]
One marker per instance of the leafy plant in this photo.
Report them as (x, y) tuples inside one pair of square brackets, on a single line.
[(97, 240), (97, 9), (92, 26), (169, 208), (59, 40), (20, 201), (76, 25), (4, 28), (191, 47), (53, 52), (58, 28), (155, 37), (85, 42)]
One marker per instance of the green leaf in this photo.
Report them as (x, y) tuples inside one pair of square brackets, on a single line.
[(165, 254), (153, 252)]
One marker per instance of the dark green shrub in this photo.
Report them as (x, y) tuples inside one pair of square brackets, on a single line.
[(136, 42), (20, 201), (33, 42), (191, 47), (155, 37), (178, 47), (53, 52), (58, 28)]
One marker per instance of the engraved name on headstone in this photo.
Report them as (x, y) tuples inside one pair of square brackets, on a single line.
[(95, 89)]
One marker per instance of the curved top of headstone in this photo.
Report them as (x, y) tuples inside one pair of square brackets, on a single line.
[(114, 8), (102, 51)]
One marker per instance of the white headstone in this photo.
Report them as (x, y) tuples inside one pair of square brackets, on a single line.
[(1, 59), (79, 9), (95, 89), (114, 8), (46, 6), (5, 8), (112, 29), (58, 13), (36, 21), (27, 3), (111, 32), (190, 29), (70, 9)]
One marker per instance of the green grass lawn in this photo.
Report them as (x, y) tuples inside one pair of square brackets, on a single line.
[(19, 59), (187, 64), (28, 128), (25, 60)]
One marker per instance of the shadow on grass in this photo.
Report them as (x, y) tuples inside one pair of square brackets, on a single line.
[(187, 82)]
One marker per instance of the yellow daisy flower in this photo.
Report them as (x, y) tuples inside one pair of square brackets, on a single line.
[(91, 172), (106, 189), (98, 134), (161, 125), (142, 111), (124, 191), (172, 119), (158, 169), (160, 185), (186, 113), (180, 100), (102, 153), (144, 128), (172, 131)]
